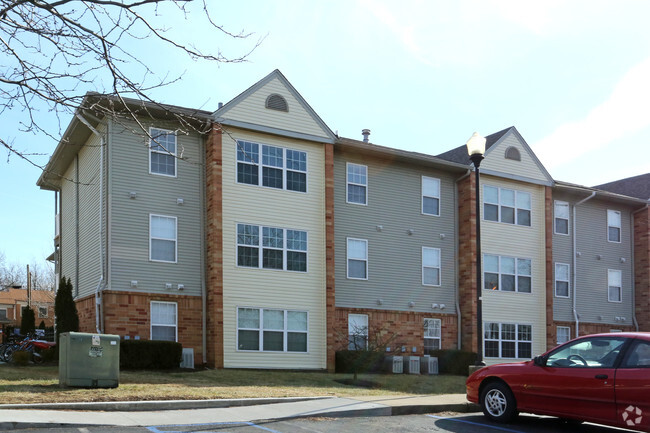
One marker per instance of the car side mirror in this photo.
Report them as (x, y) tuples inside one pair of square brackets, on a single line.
[(540, 361)]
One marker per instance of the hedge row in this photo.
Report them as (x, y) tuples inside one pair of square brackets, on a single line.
[(454, 362), (150, 354)]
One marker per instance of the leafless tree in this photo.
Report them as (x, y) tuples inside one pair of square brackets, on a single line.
[(15, 274), (54, 52)]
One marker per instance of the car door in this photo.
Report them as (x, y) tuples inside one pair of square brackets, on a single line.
[(632, 387), (576, 381)]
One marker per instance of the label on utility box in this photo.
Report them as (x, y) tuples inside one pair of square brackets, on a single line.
[(95, 340), (96, 351)]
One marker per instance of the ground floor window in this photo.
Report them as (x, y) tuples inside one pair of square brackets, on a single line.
[(508, 340), (563, 334), (357, 331), (432, 334), (164, 317), (268, 330)]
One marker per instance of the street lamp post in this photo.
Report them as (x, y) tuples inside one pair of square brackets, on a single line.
[(476, 149)]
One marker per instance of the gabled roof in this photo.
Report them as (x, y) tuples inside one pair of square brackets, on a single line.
[(636, 186), (460, 155)]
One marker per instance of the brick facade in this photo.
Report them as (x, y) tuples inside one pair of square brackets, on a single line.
[(642, 268), (467, 261), (330, 301), (551, 334)]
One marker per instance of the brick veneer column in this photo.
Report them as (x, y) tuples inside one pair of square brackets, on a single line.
[(330, 300), (551, 331), (467, 261), (642, 268), (214, 246)]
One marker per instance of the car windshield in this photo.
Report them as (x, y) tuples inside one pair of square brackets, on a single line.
[(589, 352)]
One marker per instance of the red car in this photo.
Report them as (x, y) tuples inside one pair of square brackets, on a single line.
[(601, 378)]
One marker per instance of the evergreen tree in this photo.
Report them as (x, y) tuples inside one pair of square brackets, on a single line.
[(65, 310), (28, 321)]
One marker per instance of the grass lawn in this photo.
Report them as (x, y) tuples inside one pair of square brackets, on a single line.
[(38, 384)]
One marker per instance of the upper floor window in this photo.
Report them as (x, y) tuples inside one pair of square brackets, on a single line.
[(561, 280), (507, 274), (563, 334), (614, 285), (358, 259), (271, 248), (277, 168), (508, 340), (357, 183), (430, 266), (506, 205), (613, 226), (561, 211), (432, 334), (271, 330), (163, 321), (430, 196), (162, 152), (357, 331), (162, 238)]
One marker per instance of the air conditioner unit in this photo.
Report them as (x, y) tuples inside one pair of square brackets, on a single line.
[(188, 358), (394, 364), (412, 364), (429, 365)]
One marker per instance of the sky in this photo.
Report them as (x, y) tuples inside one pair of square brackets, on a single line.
[(572, 76)]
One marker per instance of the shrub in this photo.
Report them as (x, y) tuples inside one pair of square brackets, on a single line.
[(65, 309), (150, 354), (453, 361), (21, 358), (51, 354), (358, 361)]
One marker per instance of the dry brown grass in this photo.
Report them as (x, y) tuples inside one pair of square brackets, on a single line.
[(35, 384)]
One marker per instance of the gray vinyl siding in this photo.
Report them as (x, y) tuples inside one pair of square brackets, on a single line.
[(594, 256), (68, 226), (563, 253), (158, 195), (394, 255)]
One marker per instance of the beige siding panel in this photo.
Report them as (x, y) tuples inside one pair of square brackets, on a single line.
[(497, 239), (155, 194), (527, 167), (252, 110), (262, 288)]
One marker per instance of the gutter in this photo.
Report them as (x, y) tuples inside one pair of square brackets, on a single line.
[(575, 264), (457, 300), (636, 323), (101, 284)]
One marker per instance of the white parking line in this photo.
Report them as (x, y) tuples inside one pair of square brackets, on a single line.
[(476, 423)]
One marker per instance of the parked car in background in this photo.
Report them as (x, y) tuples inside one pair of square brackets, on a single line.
[(601, 378)]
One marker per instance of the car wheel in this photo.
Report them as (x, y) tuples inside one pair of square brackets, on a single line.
[(498, 402)]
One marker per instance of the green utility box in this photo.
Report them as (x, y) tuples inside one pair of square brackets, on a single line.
[(89, 360)]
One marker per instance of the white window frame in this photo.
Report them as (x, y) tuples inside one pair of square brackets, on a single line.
[(435, 182), (611, 216), (516, 207), (155, 132), (500, 273), (152, 238), (260, 247), (565, 330), (432, 266), (432, 333), (568, 279), (5, 311), (501, 340), (355, 331), (259, 164), (558, 207), (42, 315), (360, 259), (612, 283), (285, 330), (348, 182), (167, 325)]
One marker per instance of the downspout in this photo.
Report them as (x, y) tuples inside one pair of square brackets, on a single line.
[(204, 294), (636, 323), (456, 247), (101, 283), (575, 263)]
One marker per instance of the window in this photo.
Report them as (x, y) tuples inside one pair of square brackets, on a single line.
[(590, 352), (3, 314), (561, 280), (432, 334), (271, 248), (42, 312), (357, 180), (561, 217), (507, 274), (162, 152), (357, 331), (614, 286), (358, 258), (430, 196), (280, 168), (638, 356), (163, 321), (563, 334), (508, 340), (430, 266), (270, 330), (506, 206), (162, 238), (613, 226)]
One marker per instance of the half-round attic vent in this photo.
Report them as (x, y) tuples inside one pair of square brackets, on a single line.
[(513, 153), (277, 102)]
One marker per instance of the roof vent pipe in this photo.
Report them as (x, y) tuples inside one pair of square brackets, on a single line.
[(365, 133), (219, 105)]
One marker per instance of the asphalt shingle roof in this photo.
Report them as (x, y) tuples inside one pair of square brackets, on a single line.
[(636, 186), (460, 155)]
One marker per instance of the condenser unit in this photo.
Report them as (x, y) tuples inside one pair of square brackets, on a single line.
[(412, 364), (188, 358), (429, 365), (394, 364)]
